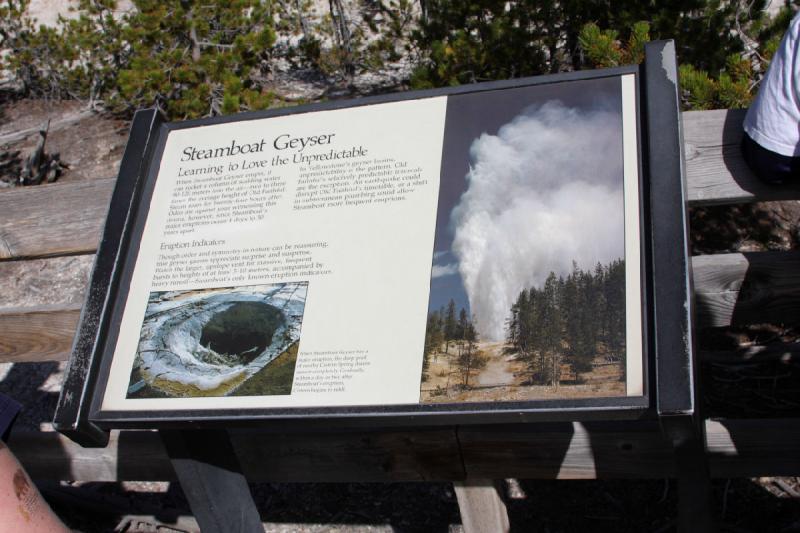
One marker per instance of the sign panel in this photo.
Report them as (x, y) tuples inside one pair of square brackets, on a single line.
[(285, 262), (474, 247), (463, 255)]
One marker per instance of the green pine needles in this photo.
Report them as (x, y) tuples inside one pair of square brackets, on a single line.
[(191, 59), (195, 59), (730, 85)]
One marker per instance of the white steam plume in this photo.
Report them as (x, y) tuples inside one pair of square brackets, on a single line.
[(546, 190)]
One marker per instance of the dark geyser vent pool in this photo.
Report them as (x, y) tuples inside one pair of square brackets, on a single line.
[(209, 343), (244, 329)]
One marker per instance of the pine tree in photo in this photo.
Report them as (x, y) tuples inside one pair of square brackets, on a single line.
[(470, 358), (589, 324), (463, 321), (433, 341), (512, 325), (577, 315), (550, 331), (520, 338), (450, 325), (614, 299), (569, 320)]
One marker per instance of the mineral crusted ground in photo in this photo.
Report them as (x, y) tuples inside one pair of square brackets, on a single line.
[(219, 342)]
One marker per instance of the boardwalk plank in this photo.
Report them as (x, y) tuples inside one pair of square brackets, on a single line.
[(736, 448)]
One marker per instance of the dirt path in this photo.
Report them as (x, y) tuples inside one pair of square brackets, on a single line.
[(497, 371)]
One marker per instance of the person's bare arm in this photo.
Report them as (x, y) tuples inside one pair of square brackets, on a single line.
[(22, 508)]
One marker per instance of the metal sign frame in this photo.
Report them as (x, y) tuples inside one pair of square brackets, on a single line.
[(668, 367)]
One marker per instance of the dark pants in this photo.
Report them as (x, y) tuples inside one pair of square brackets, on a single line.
[(8, 412), (769, 166)]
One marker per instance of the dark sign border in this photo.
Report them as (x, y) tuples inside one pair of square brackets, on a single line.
[(79, 414)]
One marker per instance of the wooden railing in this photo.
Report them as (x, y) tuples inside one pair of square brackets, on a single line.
[(47, 236)]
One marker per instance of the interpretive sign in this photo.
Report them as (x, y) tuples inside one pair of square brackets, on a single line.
[(468, 251)]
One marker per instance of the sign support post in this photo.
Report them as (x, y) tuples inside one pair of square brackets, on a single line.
[(212, 480), (673, 304)]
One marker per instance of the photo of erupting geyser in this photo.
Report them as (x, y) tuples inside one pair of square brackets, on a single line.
[(528, 281), (236, 341)]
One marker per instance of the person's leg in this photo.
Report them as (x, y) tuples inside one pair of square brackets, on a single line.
[(22, 508), (769, 166)]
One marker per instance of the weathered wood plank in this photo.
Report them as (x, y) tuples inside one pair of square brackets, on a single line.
[(736, 448), (429, 454), (40, 301), (66, 218), (749, 288), (758, 447), (421, 455), (8, 137), (54, 219), (47, 281), (715, 170), (33, 334), (729, 289), (567, 450), (129, 456), (481, 507)]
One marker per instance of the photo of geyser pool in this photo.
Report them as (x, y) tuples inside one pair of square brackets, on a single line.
[(234, 341)]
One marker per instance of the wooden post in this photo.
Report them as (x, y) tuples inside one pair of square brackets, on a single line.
[(482, 509), (212, 481)]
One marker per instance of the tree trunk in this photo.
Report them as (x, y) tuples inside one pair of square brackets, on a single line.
[(343, 34), (469, 366)]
